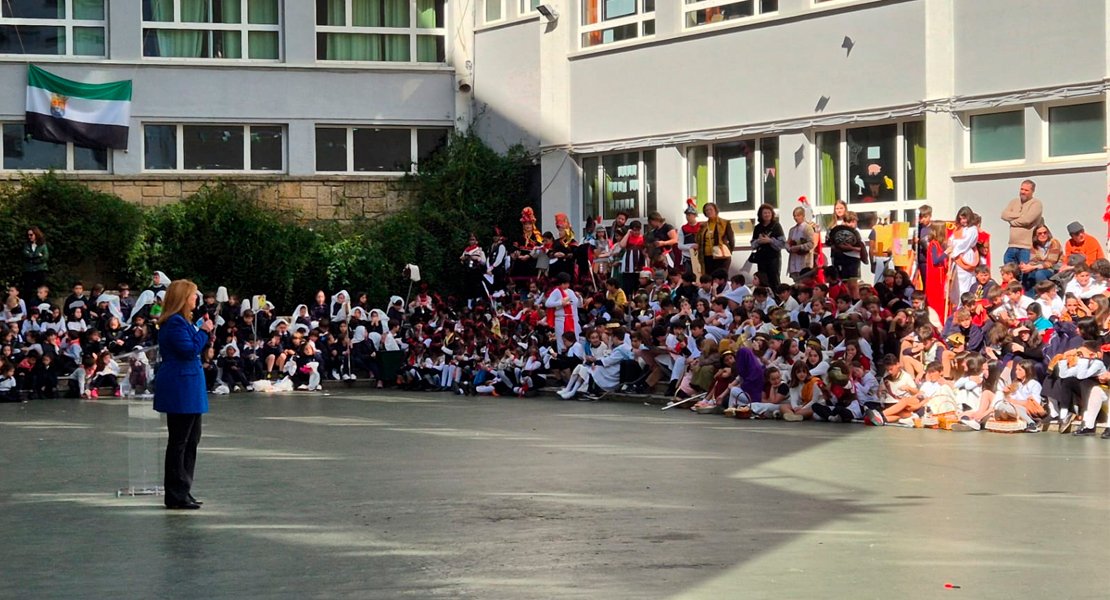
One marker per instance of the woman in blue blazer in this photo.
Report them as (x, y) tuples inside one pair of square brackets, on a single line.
[(179, 389)]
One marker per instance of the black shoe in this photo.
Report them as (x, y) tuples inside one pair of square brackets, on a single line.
[(1106, 434), (1066, 422), (194, 500), (186, 506), (1087, 431)]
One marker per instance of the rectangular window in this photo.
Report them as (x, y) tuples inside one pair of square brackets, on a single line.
[(619, 182), (879, 171), (998, 137), (494, 11), (22, 153), (744, 174), (528, 6), (213, 148), (52, 27), (368, 149), (1077, 129), (381, 30), (216, 29), (608, 21), (710, 12)]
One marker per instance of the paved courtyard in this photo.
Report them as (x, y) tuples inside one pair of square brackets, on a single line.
[(397, 495)]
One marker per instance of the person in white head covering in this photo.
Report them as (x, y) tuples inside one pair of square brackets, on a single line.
[(159, 282), (232, 370), (304, 370), (396, 309), (301, 316), (340, 306), (379, 322), (142, 306), (109, 307)]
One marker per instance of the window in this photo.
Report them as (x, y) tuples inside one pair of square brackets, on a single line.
[(52, 27), (997, 137), (619, 182), (387, 150), (227, 29), (744, 174), (1077, 129), (878, 170), (213, 148), (528, 6), (381, 30), (21, 153), (494, 11), (608, 21), (710, 12)]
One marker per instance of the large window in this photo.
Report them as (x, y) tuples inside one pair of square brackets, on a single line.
[(997, 137), (878, 170), (619, 182), (22, 153), (1077, 129), (213, 148), (709, 12), (608, 21), (381, 30), (52, 27), (737, 176), (224, 29), (385, 150), (493, 10)]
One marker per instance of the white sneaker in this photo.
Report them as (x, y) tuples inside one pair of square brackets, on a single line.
[(352, 376), (250, 388), (792, 417), (335, 374), (302, 387), (564, 394), (345, 378)]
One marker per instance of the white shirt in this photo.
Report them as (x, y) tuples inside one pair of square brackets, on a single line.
[(1093, 289)]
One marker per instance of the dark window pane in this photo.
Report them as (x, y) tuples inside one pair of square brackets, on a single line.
[(86, 159), (23, 154), (872, 168), (33, 9), (428, 141), (32, 39), (650, 197), (382, 150), (266, 149), (331, 149), (769, 150), (734, 168), (213, 147), (160, 146)]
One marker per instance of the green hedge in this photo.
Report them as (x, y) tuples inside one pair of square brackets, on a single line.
[(225, 235)]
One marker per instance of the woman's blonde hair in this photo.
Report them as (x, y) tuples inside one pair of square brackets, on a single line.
[(181, 298)]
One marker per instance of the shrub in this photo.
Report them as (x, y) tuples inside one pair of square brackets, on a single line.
[(87, 231)]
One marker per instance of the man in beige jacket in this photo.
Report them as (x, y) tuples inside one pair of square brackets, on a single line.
[(1024, 215)]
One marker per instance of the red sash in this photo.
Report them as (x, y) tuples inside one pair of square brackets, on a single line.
[(568, 314)]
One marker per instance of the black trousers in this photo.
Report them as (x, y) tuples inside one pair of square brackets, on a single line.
[(181, 457)]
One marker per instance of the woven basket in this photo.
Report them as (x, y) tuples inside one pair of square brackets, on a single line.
[(943, 419), (1005, 425)]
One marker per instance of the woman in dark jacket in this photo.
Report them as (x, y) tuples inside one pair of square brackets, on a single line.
[(180, 389), (768, 241), (36, 253)]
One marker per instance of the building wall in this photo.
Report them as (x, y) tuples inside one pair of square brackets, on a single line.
[(507, 83)]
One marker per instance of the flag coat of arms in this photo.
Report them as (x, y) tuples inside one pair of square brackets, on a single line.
[(90, 115)]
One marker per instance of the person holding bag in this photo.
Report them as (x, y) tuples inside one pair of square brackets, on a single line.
[(715, 241)]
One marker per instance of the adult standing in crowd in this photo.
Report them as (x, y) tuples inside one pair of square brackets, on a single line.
[(689, 236), (179, 390), (36, 253), (801, 243), (1024, 214), (665, 240), (768, 240), (473, 260), (715, 241)]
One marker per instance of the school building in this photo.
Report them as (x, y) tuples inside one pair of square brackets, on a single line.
[(630, 104)]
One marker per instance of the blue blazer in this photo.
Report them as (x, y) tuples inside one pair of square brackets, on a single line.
[(179, 381)]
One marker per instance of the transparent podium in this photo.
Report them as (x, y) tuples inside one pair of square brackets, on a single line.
[(146, 432)]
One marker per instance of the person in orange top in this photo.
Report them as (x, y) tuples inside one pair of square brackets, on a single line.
[(1081, 243)]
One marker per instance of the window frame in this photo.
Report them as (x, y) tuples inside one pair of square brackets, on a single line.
[(482, 17), (711, 175), (526, 8), (641, 170), (244, 28), (414, 149), (638, 18), (69, 166), (68, 24), (412, 31), (179, 141), (757, 12), (1045, 113), (900, 203), (969, 115)]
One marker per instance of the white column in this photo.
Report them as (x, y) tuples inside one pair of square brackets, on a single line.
[(559, 176), (943, 143), (460, 37), (670, 175), (299, 24)]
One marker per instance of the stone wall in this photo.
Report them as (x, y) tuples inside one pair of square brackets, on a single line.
[(315, 198)]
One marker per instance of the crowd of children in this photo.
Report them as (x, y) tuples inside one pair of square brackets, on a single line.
[(923, 349)]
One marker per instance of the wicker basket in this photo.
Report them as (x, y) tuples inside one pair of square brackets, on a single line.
[(1005, 425), (943, 419)]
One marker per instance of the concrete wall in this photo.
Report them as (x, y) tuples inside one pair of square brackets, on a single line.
[(507, 83), (753, 75), (1019, 44)]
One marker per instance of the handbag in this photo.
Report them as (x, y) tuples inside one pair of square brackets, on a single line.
[(721, 251)]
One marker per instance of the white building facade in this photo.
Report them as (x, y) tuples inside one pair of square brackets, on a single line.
[(888, 104)]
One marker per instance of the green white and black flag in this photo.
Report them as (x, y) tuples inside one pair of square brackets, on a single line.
[(91, 115)]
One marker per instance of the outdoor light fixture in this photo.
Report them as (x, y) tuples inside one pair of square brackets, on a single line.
[(548, 12)]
